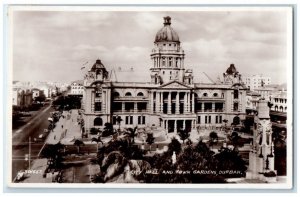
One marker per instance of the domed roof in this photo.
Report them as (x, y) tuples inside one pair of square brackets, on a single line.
[(167, 33)]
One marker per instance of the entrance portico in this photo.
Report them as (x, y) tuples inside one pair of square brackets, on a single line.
[(173, 125)]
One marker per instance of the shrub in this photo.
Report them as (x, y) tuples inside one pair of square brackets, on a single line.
[(270, 174)]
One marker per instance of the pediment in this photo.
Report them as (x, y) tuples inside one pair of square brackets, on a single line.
[(174, 85)]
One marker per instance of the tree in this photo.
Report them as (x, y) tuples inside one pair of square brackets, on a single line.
[(228, 159), (119, 120), (53, 152), (97, 140), (174, 146), (183, 134), (235, 138), (150, 139), (213, 138), (131, 133), (78, 143), (108, 130)]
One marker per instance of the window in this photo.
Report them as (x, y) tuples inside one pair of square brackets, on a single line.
[(97, 106), (128, 94), (163, 62), (199, 120), (235, 106), (129, 120), (204, 94), (170, 61), (215, 94), (140, 94), (98, 121), (141, 119), (235, 94)]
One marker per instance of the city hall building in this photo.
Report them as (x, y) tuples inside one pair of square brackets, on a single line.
[(170, 101)]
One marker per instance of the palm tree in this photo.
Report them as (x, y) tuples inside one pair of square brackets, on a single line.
[(78, 143), (97, 140), (150, 139), (213, 138), (119, 120), (131, 133), (183, 134)]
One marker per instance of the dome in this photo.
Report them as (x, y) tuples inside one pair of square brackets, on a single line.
[(167, 33)]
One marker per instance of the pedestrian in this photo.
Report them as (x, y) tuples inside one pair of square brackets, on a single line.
[(54, 137), (62, 126)]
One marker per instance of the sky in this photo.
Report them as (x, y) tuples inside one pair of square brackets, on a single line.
[(55, 45)]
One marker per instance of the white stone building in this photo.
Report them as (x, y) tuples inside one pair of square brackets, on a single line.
[(256, 81), (171, 100), (77, 88)]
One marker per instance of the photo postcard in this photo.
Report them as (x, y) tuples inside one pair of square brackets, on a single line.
[(151, 97)]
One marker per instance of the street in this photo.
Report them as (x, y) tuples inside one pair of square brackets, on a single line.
[(20, 140)]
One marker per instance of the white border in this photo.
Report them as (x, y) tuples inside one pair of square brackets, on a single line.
[(287, 185)]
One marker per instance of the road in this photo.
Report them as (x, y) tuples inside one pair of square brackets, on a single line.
[(20, 139)]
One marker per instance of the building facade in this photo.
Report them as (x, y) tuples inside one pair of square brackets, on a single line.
[(170, 101), (256, 81), (77, 88)]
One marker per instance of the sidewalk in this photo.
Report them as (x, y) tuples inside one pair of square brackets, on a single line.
[(66, 130)]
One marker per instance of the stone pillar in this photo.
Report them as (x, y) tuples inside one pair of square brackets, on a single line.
[(213, 106), (184, 124), (169, 102), (177, 103), (188, 102), (157, 105), (161, 101), (135, 106), (123, 106), (167, 126), (193, 102), (185, 103), (175, 126)]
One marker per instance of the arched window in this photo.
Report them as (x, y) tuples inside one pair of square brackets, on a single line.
[(116, 94), (140, 94), (128, 94), (98, 121), (276, 108), (204, 94), (215, 94), (281, 108), (170, 62)]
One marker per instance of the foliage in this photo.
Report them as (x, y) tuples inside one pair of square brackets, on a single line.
[(150, 139), (230, 160), (174, 146), (270, 174), (183, 134), (94, 131), (53, 152), (108, 130), (131, 133), (213, 138)]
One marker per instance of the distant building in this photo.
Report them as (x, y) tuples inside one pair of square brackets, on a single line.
[(36, 93), (77, 88), (256, 81), (22, 98), (279, 101)]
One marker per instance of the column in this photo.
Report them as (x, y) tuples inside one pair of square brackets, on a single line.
[(188, 102), (150, 105), (185, 103), (175, 126), (213, 106), (169, 102), (135, 106), (161, 101), (123, 106), (157, 105), (193, 102), (183, 124), (177, 103), (167, 126)]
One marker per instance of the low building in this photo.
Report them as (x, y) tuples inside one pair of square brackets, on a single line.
[(256, 81), (77, 88)]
